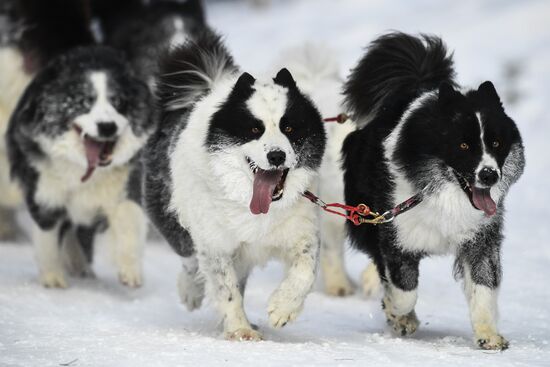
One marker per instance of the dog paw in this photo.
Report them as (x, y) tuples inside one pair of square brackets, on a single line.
[(53, 279), (244, 334), (493, 342), (191, 291), (370, 281), (340, 287), (281, 311), (401, 324), (130, 276)]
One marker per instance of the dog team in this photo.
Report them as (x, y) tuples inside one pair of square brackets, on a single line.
[(115, 115)]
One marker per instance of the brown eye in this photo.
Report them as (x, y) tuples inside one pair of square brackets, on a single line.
[(255, 130), (288, 129), (464, 146), (496, 144)]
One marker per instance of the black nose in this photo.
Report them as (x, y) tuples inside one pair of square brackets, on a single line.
[(106, 129), (276, 157), (488, 176)]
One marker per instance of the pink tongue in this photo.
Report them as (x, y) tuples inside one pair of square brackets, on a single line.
[(262, 192), (93, 152), (483, 201)]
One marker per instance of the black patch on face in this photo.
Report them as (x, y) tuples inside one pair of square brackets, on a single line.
[(233, 124), (63, 91), (302, 124)]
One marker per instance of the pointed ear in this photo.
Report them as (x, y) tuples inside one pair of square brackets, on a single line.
[(447, 96), (245, 81), (488, 93), (284, 78)]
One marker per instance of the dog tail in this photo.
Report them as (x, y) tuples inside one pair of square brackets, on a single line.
[(189, 71), (395, 70)]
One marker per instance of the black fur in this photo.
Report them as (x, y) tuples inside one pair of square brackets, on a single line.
[(397, 71)]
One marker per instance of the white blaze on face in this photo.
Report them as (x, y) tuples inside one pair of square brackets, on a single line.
[(180, 35), (102, 110), (487, 160), (268, 104)]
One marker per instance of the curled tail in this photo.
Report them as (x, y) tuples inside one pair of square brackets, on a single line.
[(189, 71), (396, 69)]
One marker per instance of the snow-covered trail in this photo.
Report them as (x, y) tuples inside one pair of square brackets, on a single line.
[(98, 322)]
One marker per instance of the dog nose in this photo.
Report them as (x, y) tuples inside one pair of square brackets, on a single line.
[(276, 157), (488, 176), (106, 129)]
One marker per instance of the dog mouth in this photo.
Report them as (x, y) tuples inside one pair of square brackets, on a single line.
[(479, 197), (99, 152), (268, 186)]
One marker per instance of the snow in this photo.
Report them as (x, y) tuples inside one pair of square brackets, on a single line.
[(97, 322)]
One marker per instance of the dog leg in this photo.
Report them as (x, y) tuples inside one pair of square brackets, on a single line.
[(46, 244), (8, 224), (481, 294), (288, 300), (128, 228), (370, 280), (190, 285), (400, 294), (222, 286), (73, 255), (336, 280), (9, 200)]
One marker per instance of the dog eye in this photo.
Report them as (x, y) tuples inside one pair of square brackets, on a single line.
[(255, 130), (464, 146), (288, 129), (496, 144)]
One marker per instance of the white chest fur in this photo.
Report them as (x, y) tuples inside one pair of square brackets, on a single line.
[(59, 185)]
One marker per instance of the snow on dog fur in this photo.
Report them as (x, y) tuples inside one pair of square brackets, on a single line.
[(73, 140), (418, 132), (316, 71), (224, 178)]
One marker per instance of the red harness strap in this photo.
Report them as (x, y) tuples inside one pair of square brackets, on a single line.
[(341, 118), (351, 213)]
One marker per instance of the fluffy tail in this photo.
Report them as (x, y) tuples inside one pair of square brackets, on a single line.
[(189, 71), (396, 69)]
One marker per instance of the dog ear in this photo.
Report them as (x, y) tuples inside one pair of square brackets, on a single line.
[(284, 78), (448, 96), (488, 94), (245, 81)]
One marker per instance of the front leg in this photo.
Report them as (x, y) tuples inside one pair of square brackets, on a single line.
[(482, 273), (222, 286), (128, 228), (288, 300), (48, 255), (400, 292)]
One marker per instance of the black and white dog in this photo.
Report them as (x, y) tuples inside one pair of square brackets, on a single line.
[(224, 178), (420, 133), (144, 30), (73, 140), (32, 32)]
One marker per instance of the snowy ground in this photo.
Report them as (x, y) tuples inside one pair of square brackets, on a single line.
[(100, 323)]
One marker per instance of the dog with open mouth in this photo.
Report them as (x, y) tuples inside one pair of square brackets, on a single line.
[(420, 134), (74, 140), (224, 177)]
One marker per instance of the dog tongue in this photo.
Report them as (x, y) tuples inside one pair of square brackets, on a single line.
[(93, 152), (483, 201), (262, 191)]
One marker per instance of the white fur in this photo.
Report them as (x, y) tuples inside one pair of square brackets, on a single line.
[(211, 196), (48, 256), (102, 109), (180, 35), (13, 81), (487, 160), (316, 72)]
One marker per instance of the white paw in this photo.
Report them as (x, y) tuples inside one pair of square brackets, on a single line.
[(282, 309), (130, 275), (53, 279), (492, 342), (402, 324), (370, 281), (244, 334), (338, 286), (191, 291)]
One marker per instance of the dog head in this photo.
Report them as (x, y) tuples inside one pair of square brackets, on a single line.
[(87, 108), (470, 134), (268, 139)]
